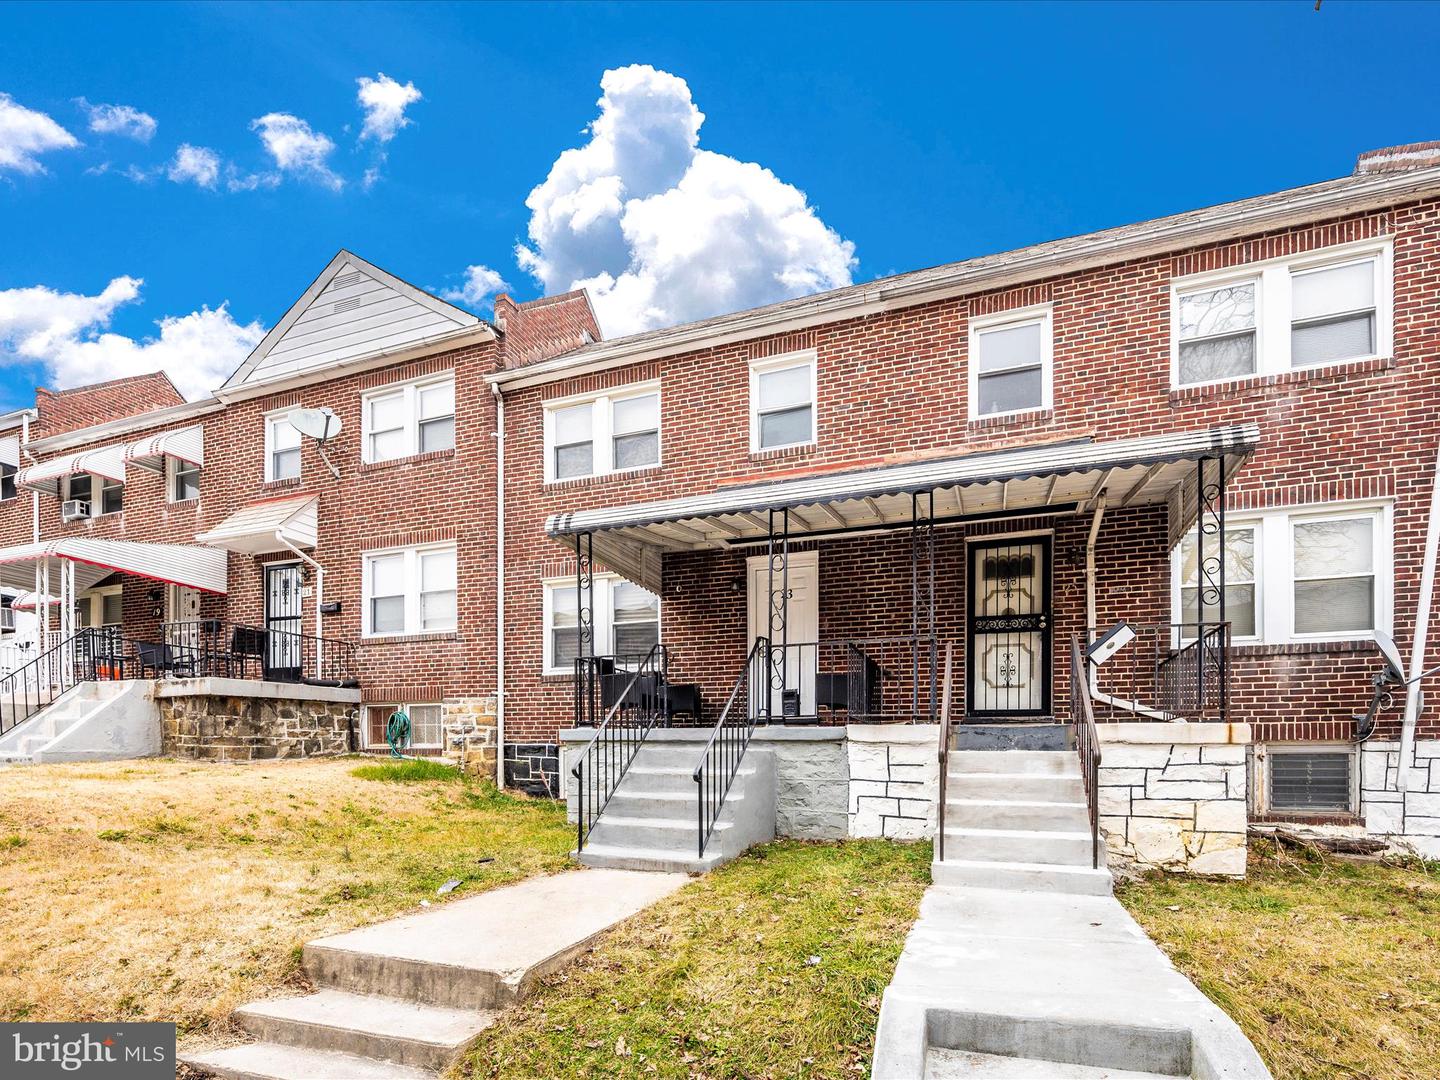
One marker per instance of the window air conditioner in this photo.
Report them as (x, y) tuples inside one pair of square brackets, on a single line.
[(74, 510)]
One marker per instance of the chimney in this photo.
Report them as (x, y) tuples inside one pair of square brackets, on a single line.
[(1403, 158)]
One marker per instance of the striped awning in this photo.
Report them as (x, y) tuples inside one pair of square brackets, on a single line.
[(272, 525), (108, 461), (189, 565), (186, 444), (1053, 478)]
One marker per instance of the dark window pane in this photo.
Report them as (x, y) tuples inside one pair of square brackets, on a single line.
[(112, 497), (636, 639), (1010, 391), (1341, 605), (1325, 342), (564, 647), (1239, 610), (1318, 781), (437, 435), (785, 427), (7, 482), (1217, 358), (80, 487), (633, 451), (574, 460)]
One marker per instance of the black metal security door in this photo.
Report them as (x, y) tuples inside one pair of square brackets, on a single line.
[(283, 621), (1008, 633)]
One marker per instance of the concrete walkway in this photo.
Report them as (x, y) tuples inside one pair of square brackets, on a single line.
[(1009, 983), (402, 999)]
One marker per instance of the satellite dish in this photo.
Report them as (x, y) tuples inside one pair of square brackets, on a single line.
[(320, 424), (1391, 655)]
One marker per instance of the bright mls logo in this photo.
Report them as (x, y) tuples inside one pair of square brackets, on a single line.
[(101, 1051)]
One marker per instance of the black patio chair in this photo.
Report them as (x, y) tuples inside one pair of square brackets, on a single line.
[(165, 661), (246, 643)]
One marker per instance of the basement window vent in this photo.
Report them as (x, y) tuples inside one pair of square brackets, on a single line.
[(347, 305), (344, 281), (1310, 781)]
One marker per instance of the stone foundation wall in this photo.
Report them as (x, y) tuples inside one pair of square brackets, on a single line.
[(533, 768), (1410, 818), (812, 781), (470, 734), (894, 780), (1173, 796), (235, 727)]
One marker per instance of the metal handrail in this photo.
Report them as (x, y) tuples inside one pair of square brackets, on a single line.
[(944, 752), (614, 745), (1087, 740), (720, 759), (24, 689)]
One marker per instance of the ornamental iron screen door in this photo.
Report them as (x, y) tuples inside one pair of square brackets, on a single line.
[(283, 621), (1008, 632)]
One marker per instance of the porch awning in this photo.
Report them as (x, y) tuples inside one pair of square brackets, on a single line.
[(108, 461), (174, 564), (1068, 475), (187, 444), (266, 526)]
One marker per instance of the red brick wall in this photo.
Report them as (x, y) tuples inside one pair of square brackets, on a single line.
[(69, 410), (540, 329)]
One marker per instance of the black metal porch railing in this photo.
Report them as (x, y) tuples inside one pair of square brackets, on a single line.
[(870, 680), (945, 693), (34, 684), (602, 764), (1171, 671), (213, 648), (725, 748), (1087, 741)]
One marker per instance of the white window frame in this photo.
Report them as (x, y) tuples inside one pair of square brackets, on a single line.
[(1273, 306), (173, 468), (602, 618), (408, 707), (411, 556), (1267, 752), (602, 430), (95, 499), (804, 358), (1044, 315), (272, 419), (409, 390), (96, 599), (1178, 582), (1275, 569)]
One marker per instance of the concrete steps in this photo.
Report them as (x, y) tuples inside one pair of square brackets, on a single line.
[(92, 721), (943, 1064), (274, 1061), (652, 820), (1035, 877)]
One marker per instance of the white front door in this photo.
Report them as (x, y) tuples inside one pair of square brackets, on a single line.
[(181, 604), (802, 624)]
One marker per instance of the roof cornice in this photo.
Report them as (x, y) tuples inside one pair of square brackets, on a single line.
[(1226, 221)]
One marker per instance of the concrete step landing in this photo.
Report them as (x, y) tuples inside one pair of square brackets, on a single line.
[(272, 1061), (965, 1065)]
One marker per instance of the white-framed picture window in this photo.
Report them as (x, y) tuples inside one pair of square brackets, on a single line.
[(182, 480), (625, 622), (1327, 307), (616, 431), (1313, 573), (1010, 364), (783, 396), (427, 724), (410, 591), (406, 419), (282, 447)]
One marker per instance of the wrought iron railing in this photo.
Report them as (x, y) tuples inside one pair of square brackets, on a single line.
[(945, 688), (1087, 740), (725, 748), (599, 682), (37, 682), (602, 764), (853, 680), (1171, 671), (213, 648)]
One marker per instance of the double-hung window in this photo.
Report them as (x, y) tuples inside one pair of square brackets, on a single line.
[(100, 493), (603, 433), (410, 591), (282, 448), (1298, 574), (1010, 363), (782, 401), (625, 622), (409, 419), (183, 479), (1326, 307), (7, 481)]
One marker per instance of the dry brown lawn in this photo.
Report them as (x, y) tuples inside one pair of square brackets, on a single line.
[(171, 890)]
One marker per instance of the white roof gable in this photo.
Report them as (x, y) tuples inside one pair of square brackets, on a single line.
[(351, 311)]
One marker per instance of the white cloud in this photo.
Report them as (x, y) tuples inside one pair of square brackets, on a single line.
[(195, 165), (120, 120), (66, 332), (25, 134), (384, 101), (660, 231), (480, 284), (296, 148)]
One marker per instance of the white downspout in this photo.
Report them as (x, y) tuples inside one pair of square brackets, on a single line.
[(1095, 693), (499, 586), (1422, 632), (42, 601), (281, 538)]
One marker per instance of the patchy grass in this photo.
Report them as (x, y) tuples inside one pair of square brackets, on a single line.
[(770, 967), (171, 890), (415, 770), (1329, 966)]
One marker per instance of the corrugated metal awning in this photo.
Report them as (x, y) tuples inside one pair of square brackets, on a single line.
[(267, 526), (1067, 476), (186, 444), (175, 564), (108, 461)]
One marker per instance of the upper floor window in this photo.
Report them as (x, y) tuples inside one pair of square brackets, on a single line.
[(410, 591), (282, 448), (182, 479), (7, 481), (100, 494), (416, 418), (1010, 364), (1324, 308), (605, 433), (782, 401)]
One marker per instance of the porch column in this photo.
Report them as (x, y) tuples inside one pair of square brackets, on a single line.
[(922, 595), (778, 564), (585, 675), (1210, 575)]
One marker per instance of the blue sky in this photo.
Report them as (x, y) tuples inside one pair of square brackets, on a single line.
[(894, 138)]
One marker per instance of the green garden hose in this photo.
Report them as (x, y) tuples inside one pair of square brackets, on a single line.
[(397, 733)]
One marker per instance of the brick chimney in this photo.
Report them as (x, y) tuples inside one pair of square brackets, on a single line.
[(539, 329), (1403, 158)]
